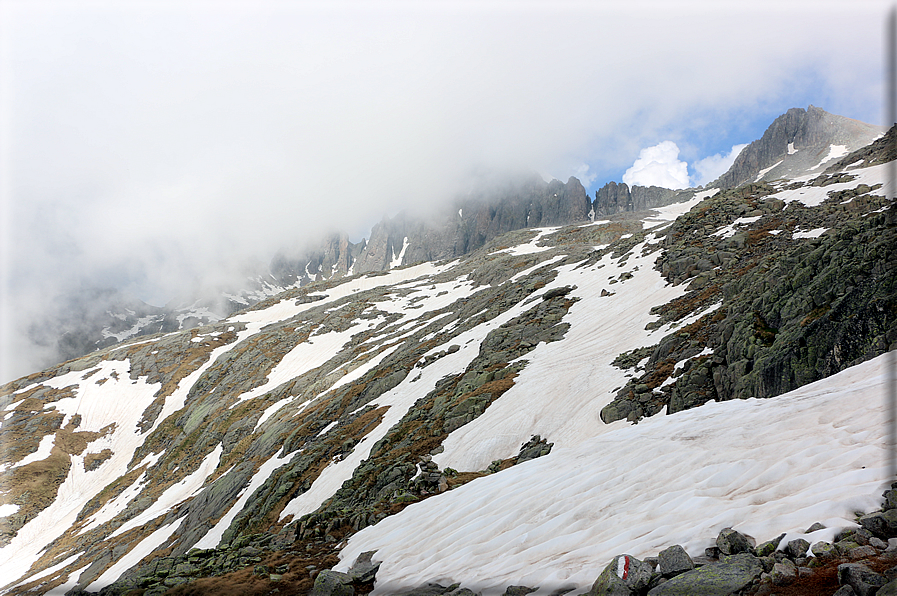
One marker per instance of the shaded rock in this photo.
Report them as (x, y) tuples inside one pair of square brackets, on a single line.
[(518, 591), (825, 551), (783, 573), (797, 548), (332, 583), (881, 523), (767, 548), (863, 580), (732, 574), (364, 570), (674, 560), (623, 576), (731, 542)]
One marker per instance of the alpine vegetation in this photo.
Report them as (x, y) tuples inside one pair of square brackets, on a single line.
[(647, 391)]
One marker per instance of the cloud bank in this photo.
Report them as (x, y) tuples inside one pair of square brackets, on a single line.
[(156, 147)]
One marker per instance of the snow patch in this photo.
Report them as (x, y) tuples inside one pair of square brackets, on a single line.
[(815, 233), (761, 466)]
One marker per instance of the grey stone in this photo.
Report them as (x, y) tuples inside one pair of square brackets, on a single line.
[(518, 590), (784, 573), (623, 576), (332, 583), (674, 560), (825, 551), (732, 542), (881, 523), (861, 552), (889, 589), (863, 580), (765, 549), (730, 575), (364, 570), (797, 548)]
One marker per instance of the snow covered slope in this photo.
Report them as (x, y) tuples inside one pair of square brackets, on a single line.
[(761, 466), (387, 410)]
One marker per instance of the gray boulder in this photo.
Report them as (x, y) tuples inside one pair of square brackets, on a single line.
[(769, 547), (731, 542), (731, 575), (624, 575), (889, 589), (332, 583), (363, 570), (863, 580), (783, 573), (797, 548), (881, 523), (674, 560), (825, 551)]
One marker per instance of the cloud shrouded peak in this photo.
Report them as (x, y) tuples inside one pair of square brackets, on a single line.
[(658, 166)]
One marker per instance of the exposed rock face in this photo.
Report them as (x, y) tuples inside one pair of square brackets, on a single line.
[(471, 222), (732, 574), (613, 198), (799, 139), (790, 312)]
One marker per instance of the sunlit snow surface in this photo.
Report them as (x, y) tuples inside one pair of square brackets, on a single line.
[(760, 466)]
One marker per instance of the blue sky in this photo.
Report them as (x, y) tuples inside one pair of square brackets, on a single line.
[(162, 146)]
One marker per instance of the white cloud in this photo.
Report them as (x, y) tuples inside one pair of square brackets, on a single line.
[(163, 141), (711, 168), (658, 166)]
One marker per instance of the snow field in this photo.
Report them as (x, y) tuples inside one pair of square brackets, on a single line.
[(287, 308), (671, 212), (560, 393), (760, 466), (119, 401)]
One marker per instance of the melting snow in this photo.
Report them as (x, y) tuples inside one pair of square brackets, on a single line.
[(213, 537), (765, 171), (834, 152), (816, 233), (761, 466)]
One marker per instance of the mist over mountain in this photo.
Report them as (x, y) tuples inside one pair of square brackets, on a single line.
[(797, 143), (529, 390)]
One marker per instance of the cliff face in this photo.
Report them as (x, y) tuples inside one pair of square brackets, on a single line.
[(615, 198), (464, 227), (798, 141)]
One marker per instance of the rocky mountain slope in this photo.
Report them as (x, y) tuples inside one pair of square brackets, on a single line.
[(516, 414), (797, 143)]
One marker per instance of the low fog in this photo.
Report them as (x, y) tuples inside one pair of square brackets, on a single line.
[(162, 148)]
